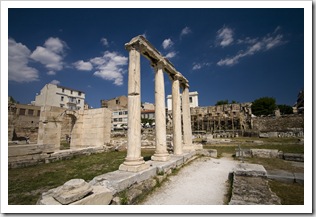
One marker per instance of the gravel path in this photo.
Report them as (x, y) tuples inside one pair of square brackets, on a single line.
[(203, 182)]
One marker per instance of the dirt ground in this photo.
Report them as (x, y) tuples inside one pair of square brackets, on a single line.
[(203, 182)]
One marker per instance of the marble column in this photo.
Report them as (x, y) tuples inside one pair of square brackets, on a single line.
[(176, 117), (134, 161), (186, 117), (161, 153)]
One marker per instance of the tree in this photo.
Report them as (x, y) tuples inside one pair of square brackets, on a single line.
[(285, 109), (263, 106), (225, 102), (222, 102)]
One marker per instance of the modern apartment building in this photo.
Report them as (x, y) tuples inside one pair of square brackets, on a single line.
[(59, 96)]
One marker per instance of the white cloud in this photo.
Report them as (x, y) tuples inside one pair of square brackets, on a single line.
[(19, 70), (171, 54), (83, 66), (51, 55), (110, 67), (104, 41), (271, 42), (185, 31), (196, 66), (55, 45), (225, 36), (51, 73), (167, 43), (256, 45), (55, 82)]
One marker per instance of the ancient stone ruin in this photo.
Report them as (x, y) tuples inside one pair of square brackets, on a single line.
[(134, 162)]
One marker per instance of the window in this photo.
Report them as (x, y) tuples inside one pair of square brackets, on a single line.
[(190, 99), (78, 101), (38, 113), (79, 93), (63, 90), (117, 102), (30, 112), (22, 111), (71, 92), (61, 98)]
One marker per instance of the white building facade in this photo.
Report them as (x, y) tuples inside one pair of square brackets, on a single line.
[(59, 96), (193, 99), (119, 119)]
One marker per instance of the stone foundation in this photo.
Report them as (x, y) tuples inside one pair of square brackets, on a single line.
[(119, 187)]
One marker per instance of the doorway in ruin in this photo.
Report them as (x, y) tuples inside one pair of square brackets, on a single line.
[(67, 125)]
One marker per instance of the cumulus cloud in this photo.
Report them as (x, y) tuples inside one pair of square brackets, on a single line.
[(110, 67), (171, 54), (104, 41), (185, 31), (225, 36), (83, 66), (51, 54), (55, 82), (18, 57), (256, 45), (167, 43)]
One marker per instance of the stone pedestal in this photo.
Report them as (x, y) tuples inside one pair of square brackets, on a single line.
[(176, 117), (133, 161), (161, 153)]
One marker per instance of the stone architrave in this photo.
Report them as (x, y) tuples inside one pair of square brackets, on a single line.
[(187, 131), (133, 161), (161, 153), (176, 117)]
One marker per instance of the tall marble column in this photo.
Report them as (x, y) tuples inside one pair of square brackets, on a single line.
[(176, 117), (134, 161), (161, 153), (187, 130)]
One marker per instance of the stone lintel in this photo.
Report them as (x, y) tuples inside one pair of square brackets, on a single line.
[(153, 55)]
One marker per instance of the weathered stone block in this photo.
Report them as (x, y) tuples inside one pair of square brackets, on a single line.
[(245, 169), (265, 153), (293, 157), (71, 191), (100, 196)]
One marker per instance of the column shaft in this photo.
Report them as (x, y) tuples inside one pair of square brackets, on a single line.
[(133, 161), (187, 131), (161, 153), (176, 118)]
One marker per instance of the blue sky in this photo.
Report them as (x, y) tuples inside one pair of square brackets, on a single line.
[(234, 54)]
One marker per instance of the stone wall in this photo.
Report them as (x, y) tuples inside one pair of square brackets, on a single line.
[(87, 128), (278, 124)]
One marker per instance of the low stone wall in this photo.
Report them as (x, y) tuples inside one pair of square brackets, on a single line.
[(119, 187), (269, 153), (250, 186), (29, 155)]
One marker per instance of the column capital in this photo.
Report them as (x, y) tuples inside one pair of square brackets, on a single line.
[(134, 46), (177, 77), (159, 65)]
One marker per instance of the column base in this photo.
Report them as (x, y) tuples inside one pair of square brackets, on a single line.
[(134, 166), (160, 157)]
